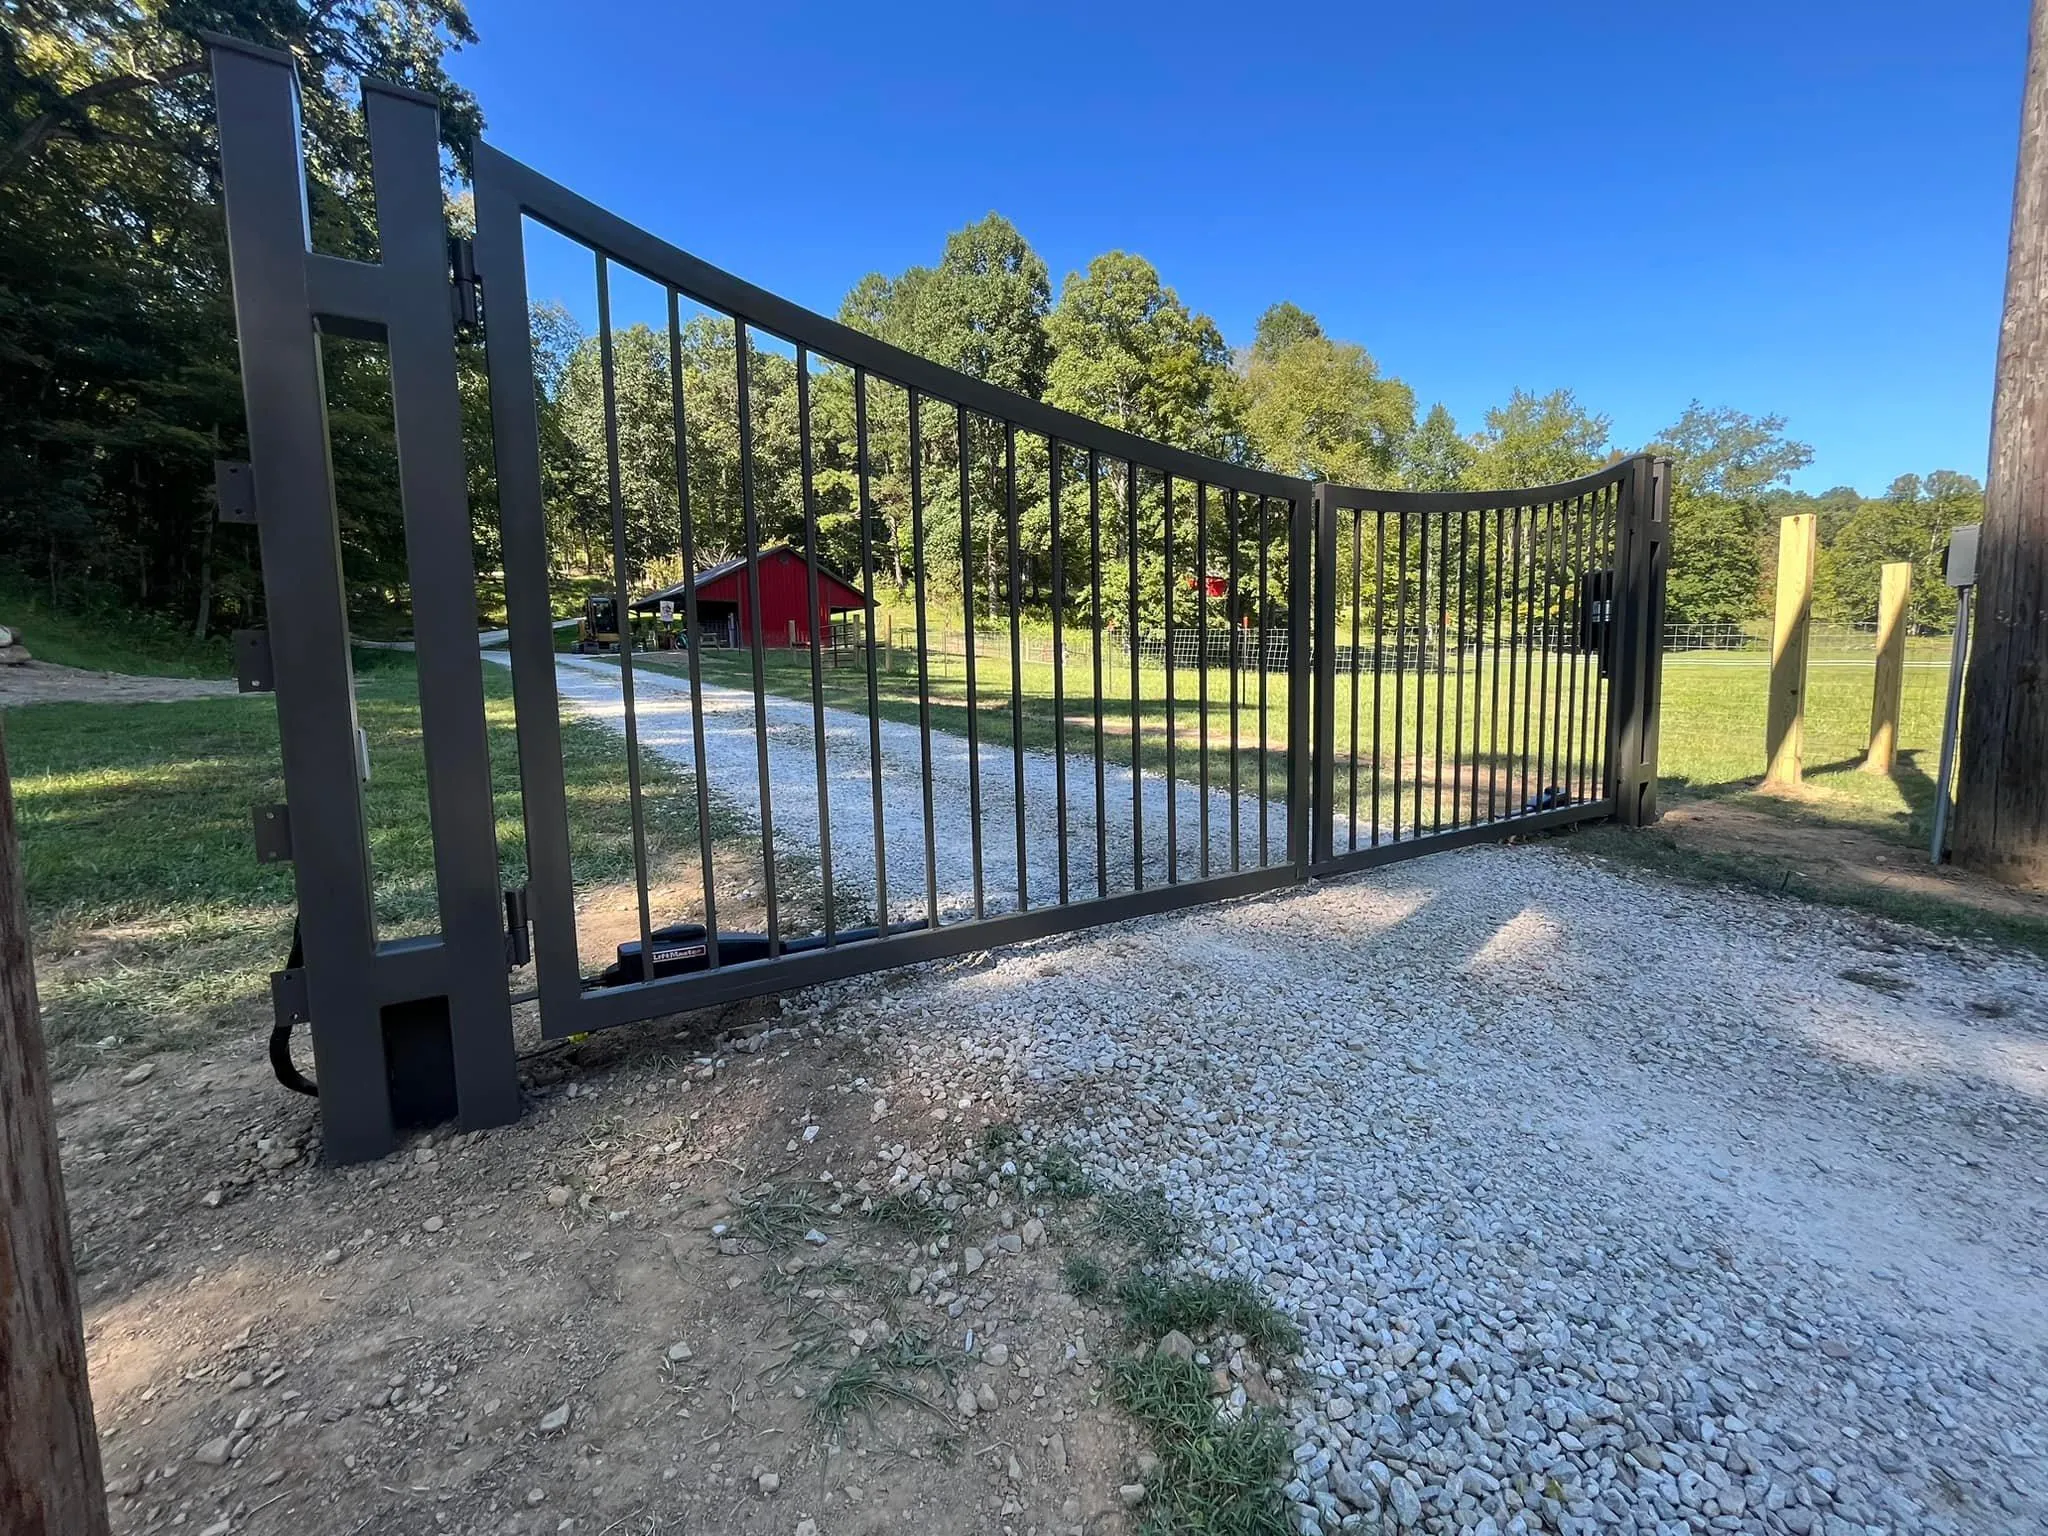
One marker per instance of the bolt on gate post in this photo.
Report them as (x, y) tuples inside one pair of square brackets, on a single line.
[(413, 1030)]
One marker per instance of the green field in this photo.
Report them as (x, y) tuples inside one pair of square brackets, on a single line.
[(154, 923), (1712, 741)]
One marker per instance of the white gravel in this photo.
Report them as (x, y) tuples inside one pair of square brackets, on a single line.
[(1606, 1205), (661, 709)]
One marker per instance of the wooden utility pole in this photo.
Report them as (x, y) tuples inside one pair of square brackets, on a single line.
[(50, 1482), (2002, 783), (1890, 686), (1785, 725)]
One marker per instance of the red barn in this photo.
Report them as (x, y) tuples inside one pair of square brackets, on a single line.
[(722, 610)]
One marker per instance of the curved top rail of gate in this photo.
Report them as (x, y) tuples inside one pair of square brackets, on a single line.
[(1366, 499), (506, 182)]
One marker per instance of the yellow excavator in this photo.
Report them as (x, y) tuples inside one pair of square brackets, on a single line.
[(599, 628)]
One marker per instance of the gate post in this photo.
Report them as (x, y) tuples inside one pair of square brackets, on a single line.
[(1303, 595), (1642, 553), (1325, 647), (417, 1030)]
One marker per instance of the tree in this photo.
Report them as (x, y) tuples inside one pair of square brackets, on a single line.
[(1320, 408), (2002, 790), (1128, 352), (1282, 326), (1725, 466), (1906, 523), (119, 386), (982, 311), (1436, 456), (1538, 440)]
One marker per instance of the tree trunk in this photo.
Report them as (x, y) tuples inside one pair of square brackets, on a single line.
[(2002, 784), (205, 618), (50, 1482)]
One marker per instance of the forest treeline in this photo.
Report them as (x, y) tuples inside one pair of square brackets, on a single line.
[(120, 386)]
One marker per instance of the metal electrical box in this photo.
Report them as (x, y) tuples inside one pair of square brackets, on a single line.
[(1961, 570)]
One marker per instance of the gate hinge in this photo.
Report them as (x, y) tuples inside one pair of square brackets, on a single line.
[(234, 489), (273, 834), (518, 929), (463, 285), (252, 661), (288, 996)]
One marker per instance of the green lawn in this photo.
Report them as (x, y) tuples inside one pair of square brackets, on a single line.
[(153, 921), (109, 640), (1712, 741)]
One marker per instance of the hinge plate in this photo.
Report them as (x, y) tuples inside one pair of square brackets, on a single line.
[(518, 930), (288, 996), (463, 285), (253, 672), (273, 834), (234, 488)]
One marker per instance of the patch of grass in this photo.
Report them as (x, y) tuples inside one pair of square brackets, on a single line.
[(1142, 1219), (778, 1215), (841, 1272), (912, 1349), (860, 1387), (912, 1217), (1199, 1306), (1086, 1276), (1217, 1476), (110, 639), (153, 921), (997, 1138), (1061, 1175)]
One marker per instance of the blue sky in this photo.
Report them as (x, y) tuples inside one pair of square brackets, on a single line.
[(1796, 207)]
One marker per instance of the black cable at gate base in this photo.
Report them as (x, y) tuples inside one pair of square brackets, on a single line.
[(281, 1033)]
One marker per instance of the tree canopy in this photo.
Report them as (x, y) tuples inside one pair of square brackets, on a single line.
[(120, 384)]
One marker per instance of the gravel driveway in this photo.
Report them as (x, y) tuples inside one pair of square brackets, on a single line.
[(1606, 1205), (661, 707)]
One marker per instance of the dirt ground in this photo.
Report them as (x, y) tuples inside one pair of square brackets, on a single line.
[(43, 682), (589, 1321), (1835, 855)]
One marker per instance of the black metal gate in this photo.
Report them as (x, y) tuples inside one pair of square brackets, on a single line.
[(1248, 679)]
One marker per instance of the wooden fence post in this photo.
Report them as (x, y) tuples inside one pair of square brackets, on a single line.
[(50, 1481), (1890, 686), (1785, 728)]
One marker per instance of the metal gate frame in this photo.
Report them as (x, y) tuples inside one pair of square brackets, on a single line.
[(416, 1029), (508, 193), (419, 1030), (1628, 652)]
